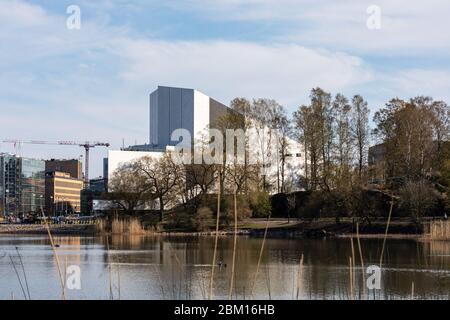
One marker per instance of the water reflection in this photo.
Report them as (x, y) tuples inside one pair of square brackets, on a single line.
[(138, 267)]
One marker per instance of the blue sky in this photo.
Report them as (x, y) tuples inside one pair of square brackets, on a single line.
[(93, 83)]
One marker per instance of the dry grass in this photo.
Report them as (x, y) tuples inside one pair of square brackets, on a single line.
[(230, 293), (387, 230), (122, 226), (55, 254), (299, 276), (213, 265), (261, 251), (439, 230)]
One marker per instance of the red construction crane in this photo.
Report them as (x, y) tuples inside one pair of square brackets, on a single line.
[(86, 145)]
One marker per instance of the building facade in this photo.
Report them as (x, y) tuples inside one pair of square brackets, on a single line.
[(63, 182), (73, 167), (22, 185), (62, 193), (179, 108)]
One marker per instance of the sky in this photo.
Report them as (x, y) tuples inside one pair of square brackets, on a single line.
[(93, 82)]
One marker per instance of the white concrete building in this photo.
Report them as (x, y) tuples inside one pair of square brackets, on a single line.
[(179, 108)]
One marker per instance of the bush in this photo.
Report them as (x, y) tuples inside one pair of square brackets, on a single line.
[(243, 209), (178, 221), (418, 199), (260, 205), (202, 219)]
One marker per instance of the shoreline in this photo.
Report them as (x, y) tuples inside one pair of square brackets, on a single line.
[(303, 230), (40, 229)]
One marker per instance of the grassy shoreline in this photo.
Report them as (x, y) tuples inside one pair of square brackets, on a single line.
[(280, 228)]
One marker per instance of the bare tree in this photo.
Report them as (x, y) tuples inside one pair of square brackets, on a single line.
[(262, 114), (418, 198), (343, 140), (307, 134), (409, 131), (162, 176), (360, 130), (321, 122), (283, 130), (129, 189)]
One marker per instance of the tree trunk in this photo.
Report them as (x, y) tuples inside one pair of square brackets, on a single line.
[(161, 209)]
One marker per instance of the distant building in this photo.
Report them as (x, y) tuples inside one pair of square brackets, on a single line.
[(88, 198), (22, 185), (95, 194), (376, 162), (98, 184), (180, 108), (62, 193), (73, 167), (117, 158), (377, 154), (189, 109), (64, 182)]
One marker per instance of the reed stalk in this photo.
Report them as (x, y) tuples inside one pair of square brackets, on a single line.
[(65, 273), (268, 282), (351, 279), (213, 265), (361, 258), (230, 293), (55, 254), (111, 294), (160, 282), (18, 278), (260, 255), (24, 273), (118, 279), (353, 265), (299, 276), (439, 230), (386, 231)]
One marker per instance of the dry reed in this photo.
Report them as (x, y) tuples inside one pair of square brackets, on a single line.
[(387, 230), (363, 272), (55, 254), (439, 230), (24, 273), (213, 265), (260, 256), (121, 226), (352, 296), (353, 264), (18, 278), (230, 293), (299, 276)]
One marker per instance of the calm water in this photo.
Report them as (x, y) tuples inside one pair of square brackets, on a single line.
[(179, 268)]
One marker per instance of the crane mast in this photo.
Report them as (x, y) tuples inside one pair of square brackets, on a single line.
[(86, 145)]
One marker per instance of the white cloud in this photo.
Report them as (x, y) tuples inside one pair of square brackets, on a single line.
[(229, 69), (434, 83), (408, 27)]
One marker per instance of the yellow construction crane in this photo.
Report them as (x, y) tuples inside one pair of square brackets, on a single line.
[(86, 145)]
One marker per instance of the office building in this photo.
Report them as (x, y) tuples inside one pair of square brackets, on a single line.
[(171, 108), (63, 182), (73, 167), (176, 108), (22, 185), (180, 108), (62, 193)]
